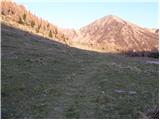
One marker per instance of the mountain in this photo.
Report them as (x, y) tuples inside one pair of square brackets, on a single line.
[(113, 34), (107, 34)]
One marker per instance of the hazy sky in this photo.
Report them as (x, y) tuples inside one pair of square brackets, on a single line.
[(78, 14)]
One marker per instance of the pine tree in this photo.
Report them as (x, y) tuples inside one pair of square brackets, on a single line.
[(55, 31), (38, 28), (63, 37), (48, 25), (32, 23), (20, 21), (50, 34), (24, 17)]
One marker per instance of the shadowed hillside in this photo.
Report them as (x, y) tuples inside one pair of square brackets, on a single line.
[(45, 79)]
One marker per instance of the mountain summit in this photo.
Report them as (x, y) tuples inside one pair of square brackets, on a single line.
[(113, 34)]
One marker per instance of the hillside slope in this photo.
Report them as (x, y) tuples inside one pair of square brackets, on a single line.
[(45, 79), (18, 16)]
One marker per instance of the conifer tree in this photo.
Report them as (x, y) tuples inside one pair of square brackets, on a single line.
[(50, 34), (20, 21)]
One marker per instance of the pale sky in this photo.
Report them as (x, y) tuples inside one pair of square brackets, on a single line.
[(78, 14)]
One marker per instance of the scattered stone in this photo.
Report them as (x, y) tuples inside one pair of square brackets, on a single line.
[(132, 92), (123, 91), (102, 92), (119, 91), (82, 69), (73, 74)]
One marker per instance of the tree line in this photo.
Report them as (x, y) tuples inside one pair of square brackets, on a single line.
[(20, 15)]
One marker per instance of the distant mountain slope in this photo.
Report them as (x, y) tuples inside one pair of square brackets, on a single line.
[(113, 34)]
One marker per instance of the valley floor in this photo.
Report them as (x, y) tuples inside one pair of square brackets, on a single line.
[(45, 79)]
